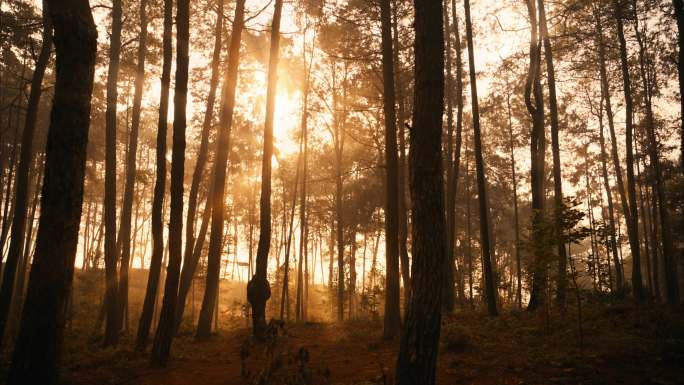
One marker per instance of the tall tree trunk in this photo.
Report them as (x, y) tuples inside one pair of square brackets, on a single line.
[(537, 153), (131, 170), (150, 300), (285, 292), (490, 285), (455, 160), (632, 219), (450, 203), (37, 352), (338, 142), (165, 329), (611, 211), (258, 289), (303, 296), (678, 6), (392, 320), (605, 92), (518, 264), (218, 189), (562, 279), (401, 171), (24, 263), (417, 356), (112, 323), (671, 275), (8, 207), (21, 194), (649, 252), (189, 263)]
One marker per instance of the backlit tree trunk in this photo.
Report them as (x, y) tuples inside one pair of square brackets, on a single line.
[(21, 184), (165, 329), (671, 274), (258, 288), (218, 190), (37, 352), (189, 263), (159, 187), (490, 286), (537, 151), (111, 336), (632, 219), (127, 210), (562, 279), (417, 356), (392, 320)]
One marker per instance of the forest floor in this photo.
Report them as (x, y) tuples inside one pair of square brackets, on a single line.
[(620, 345)]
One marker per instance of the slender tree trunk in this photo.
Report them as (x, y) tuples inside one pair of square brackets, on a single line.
[(678, 6), (218, 190), (302, 297), (285, 292), (8, 207), (392, 320), (537, 154), (670, 260), (417, 356), (21, 194), (37, 352), (605, 92), (189, 263), (649, 251), (490, 286), (165, 330), (149, 303), (401, 171), (450, 203), (611, 211), (112, 323), (338, 142), (131, 171), (656, 251), (562, 280), (518, 264), (258, 289), (632, 219)]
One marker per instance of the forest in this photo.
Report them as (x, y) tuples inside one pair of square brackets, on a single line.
[(341, 192)]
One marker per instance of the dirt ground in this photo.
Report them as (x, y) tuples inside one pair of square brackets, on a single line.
[(620, 345)]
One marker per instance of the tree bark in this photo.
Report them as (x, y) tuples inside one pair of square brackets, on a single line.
[(392, 318), (670, 259), (518, 263), (285, 292), (258, 288), (131, 170), (605, 92), (537, 154), (401, 172), (562, 279), (150, 300), (418, 349), (678, 6), (165, 329), (218, 189), (111, 256), (490, 285), (632, 220), (37, 352), (611, 211), (189, 263)]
